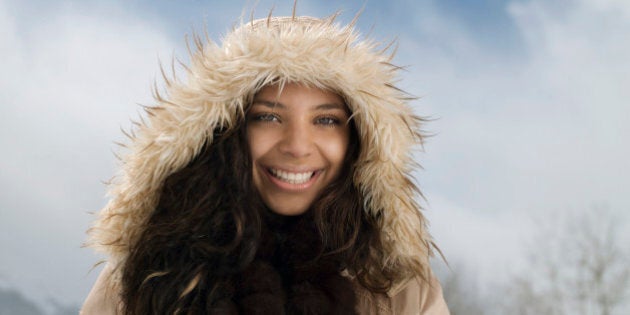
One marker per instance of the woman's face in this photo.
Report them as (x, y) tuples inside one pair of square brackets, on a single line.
[(298, 141)]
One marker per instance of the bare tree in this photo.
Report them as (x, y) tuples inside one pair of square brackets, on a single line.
[(577, 266)]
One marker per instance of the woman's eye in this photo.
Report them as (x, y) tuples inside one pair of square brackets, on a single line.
[(265, 117), (327, 121)]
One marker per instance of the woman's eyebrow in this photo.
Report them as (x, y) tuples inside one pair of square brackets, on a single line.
[(328, 106), (277, 105), (269, 104)]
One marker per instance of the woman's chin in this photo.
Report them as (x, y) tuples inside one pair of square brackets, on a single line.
[(289, 211)]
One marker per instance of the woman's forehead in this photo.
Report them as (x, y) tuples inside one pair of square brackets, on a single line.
[(285, 96)]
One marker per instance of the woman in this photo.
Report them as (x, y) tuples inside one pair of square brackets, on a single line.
[(273, 180)]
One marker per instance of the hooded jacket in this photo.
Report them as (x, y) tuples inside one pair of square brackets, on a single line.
[(220, 81)]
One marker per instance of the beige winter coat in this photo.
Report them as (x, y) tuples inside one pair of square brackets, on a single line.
[(219, 83), (408, 299)]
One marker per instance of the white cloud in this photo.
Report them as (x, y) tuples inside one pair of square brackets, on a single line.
[(70, 79), (578, 60), (487, 244), (543, 129)]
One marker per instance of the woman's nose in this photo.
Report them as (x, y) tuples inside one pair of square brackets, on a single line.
[(297, 140)]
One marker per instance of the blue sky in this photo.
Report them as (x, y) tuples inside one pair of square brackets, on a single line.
[(529, 97)]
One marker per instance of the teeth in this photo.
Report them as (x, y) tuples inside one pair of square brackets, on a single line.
[(292, 178)]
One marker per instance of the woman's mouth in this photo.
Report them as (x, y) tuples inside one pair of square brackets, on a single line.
[(295, 178)]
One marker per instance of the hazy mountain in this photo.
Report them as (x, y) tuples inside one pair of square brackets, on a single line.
[(13, 302)]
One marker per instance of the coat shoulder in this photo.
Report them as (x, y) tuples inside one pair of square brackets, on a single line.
[(414, 297), (104, 298)]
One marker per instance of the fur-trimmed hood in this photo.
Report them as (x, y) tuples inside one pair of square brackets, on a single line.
[(219, 83)]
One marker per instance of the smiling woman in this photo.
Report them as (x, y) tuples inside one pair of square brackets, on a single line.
[(275, 180)]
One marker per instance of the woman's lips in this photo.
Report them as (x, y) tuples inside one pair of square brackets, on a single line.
[(294, 181)]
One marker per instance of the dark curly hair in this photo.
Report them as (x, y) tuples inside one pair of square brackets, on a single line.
[(212, 247)]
